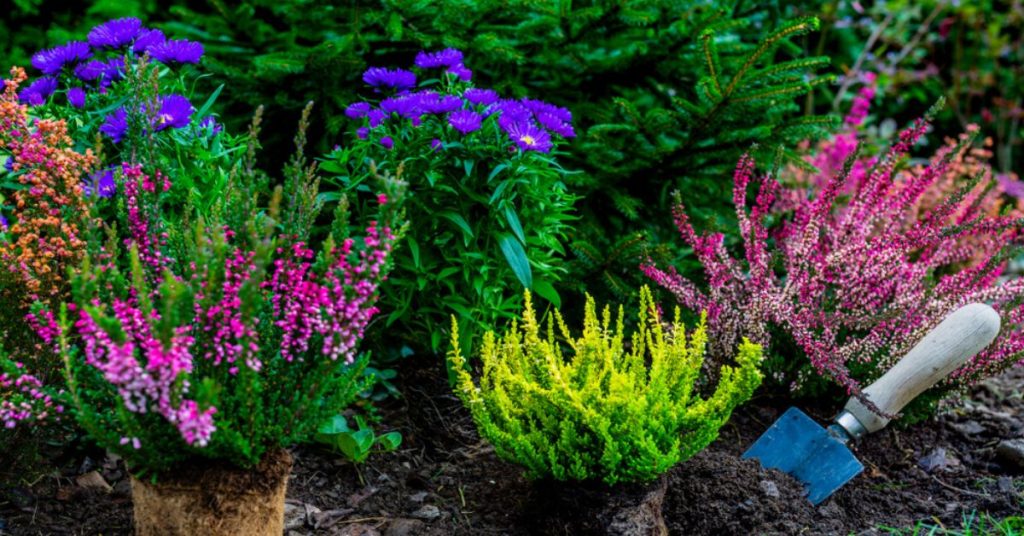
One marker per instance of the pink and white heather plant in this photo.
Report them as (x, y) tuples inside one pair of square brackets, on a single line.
[(862, 265), (23, 398)]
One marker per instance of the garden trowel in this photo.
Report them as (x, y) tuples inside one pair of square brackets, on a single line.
[(819, 457)]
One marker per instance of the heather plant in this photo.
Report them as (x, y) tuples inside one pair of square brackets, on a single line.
[(596, 407), (490, 199), (248, 343), (862, 263)]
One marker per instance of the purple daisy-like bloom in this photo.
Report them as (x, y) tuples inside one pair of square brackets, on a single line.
[(387, 142), (52, 60), (37, 92), (176, 51), (212, 124), (539, 107), (481, 96), (465, 121), (410, 106), (529, 137), (175, 111), (104, 71), (100, 184), (442, 58), (436, 145), (9, 164), (147, 39), (394, 78), (115, 33), (442, 104), (376, 117), (115, 125), (556, 125), (362, 133), (357, 110), (461, 71), (76, 97)]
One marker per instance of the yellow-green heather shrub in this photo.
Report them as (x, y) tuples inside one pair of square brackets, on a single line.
[(593, 407)]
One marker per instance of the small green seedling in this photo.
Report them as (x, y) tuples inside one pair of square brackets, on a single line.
[(357, 443)]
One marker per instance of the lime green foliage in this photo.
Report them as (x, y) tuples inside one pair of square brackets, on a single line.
[(610, 410)]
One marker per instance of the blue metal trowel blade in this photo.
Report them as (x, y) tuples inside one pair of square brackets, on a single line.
[(797, 445)]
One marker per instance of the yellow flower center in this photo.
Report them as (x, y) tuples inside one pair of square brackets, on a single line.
[(528, 139)]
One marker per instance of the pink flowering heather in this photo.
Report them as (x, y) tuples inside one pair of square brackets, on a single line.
[(862, 266), (23, 398), (148, 375), (239, 351)]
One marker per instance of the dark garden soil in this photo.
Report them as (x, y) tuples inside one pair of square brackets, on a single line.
[(445, 480)]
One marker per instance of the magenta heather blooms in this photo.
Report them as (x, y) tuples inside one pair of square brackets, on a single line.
[(448, 57), (387, 142), (76, 97), (38, 91), (154, 383), (23, 398), (100, 184), (51, 61), (481, 96), (399, 79), (465, 121), (115, 126), (307, 305), (176, 51), (358, 110), (147, 39), (175, 112), (115, 33), (859, 271), (529, 137)]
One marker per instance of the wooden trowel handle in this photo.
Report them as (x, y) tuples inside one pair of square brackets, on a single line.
[(959, 337)]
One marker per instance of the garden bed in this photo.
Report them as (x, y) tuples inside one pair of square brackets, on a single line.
[(445, 480)]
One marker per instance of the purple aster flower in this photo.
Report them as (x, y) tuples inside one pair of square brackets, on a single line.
[(443, 58), (101, 184), (481, 96), (461, 71), (52, 60), (175, 111), (9, 164), (115, 125), (147, 39), (510, 109), (556, 125), (436, 145), (176, 51), (363, 133), (358, 109), (387, 142), (465, 121), (377, 117), (212, 124), (441, 105), (410, 106), (540, 107), (76, 97), (394, 78), (529, 137), (3, 222), (37, 92), (115, 33), (105, 71)]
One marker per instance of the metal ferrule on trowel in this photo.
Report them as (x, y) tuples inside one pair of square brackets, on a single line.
[(820, 457)]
